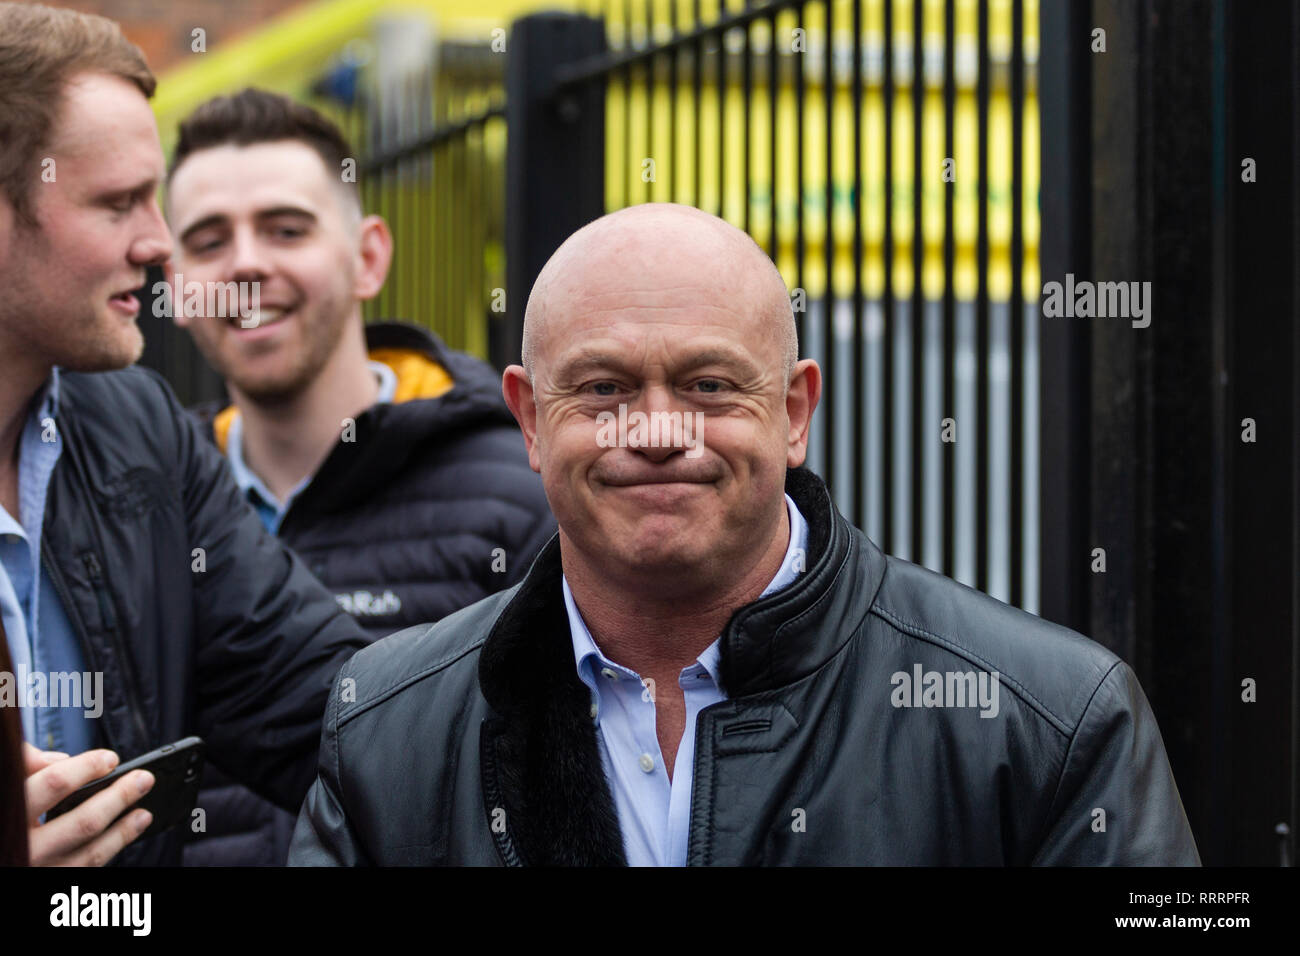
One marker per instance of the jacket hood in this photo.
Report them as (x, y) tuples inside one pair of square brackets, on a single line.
[(439, 391)]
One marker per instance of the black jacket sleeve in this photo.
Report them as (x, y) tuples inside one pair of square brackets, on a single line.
[(269, 637), (1116, 802), (323, 835)]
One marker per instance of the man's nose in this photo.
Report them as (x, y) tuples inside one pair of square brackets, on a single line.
[(664, 421), (154, 246), (247, 262)]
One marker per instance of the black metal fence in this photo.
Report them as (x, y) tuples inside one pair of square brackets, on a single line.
[(433, 166), (852, 141)]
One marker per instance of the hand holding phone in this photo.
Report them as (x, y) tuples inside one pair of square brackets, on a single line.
[(95, 831), (176, 769)]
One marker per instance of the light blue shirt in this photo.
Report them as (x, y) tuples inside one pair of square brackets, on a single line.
[(654, 812), (41, 639), (270, 510)]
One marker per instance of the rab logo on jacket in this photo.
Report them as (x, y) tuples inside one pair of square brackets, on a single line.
[(365, 604)]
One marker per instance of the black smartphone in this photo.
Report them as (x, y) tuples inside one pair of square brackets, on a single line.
[(176, 768)]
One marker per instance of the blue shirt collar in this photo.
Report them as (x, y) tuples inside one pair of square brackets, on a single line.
[(47, 400), (247, 479)]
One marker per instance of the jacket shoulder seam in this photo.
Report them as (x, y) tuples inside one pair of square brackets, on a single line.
[(394, 689), (919, 632), (1065, 760)]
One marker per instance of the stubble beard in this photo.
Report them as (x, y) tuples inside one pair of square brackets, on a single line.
[(87, 343), (283, 389)]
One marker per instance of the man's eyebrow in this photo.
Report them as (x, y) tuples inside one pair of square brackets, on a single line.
[(277, 211), (217, 218), (596, 360), (142, 188)]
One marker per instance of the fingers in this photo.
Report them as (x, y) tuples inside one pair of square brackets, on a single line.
[(100, 851), (35, 759), (92, 834), (51, 783)]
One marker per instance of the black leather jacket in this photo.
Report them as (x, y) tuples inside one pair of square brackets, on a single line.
[(200, 621), (470, 742)]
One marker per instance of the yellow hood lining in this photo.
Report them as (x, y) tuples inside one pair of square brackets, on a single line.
[(418, 376)]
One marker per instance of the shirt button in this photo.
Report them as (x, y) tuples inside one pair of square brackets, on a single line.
[(609, 672), (647, 763)]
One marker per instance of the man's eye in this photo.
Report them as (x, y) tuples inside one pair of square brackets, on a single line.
[(198, 248), (710, 385), (122, 205), (288, 232), (605, 385)]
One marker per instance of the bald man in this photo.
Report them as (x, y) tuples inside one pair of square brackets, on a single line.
[(708, 664)]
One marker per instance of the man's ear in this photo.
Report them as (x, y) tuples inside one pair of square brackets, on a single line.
[(800, 403), (518, 393), (374, 256)]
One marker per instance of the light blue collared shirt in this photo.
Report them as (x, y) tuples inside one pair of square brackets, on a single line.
[(654, 812), (41, 639), (264, 503)]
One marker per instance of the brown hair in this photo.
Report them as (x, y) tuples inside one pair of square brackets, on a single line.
[(41, 48), (258, 116)]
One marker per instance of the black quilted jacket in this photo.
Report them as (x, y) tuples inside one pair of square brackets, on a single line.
[(431, 508)]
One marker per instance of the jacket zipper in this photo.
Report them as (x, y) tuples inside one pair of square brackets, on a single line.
[(70, 435), (106, 612), (79, 625)]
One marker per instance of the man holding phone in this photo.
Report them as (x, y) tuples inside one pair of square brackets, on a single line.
[(62, 842), (127, 551)]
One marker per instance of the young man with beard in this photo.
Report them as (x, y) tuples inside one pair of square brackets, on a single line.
[(389, 462), (126, 549)]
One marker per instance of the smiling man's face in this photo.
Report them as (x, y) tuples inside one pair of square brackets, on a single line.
[(68, 281), (271, 214), (664, 310)]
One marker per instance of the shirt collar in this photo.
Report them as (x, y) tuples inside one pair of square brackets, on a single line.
[(387, 382), (247, 480), (46, 404), (587, 656), (245, 477)]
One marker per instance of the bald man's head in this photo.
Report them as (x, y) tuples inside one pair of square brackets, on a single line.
[(662, 404), (667, 247)]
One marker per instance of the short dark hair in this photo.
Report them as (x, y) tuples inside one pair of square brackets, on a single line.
[(259, 116)]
